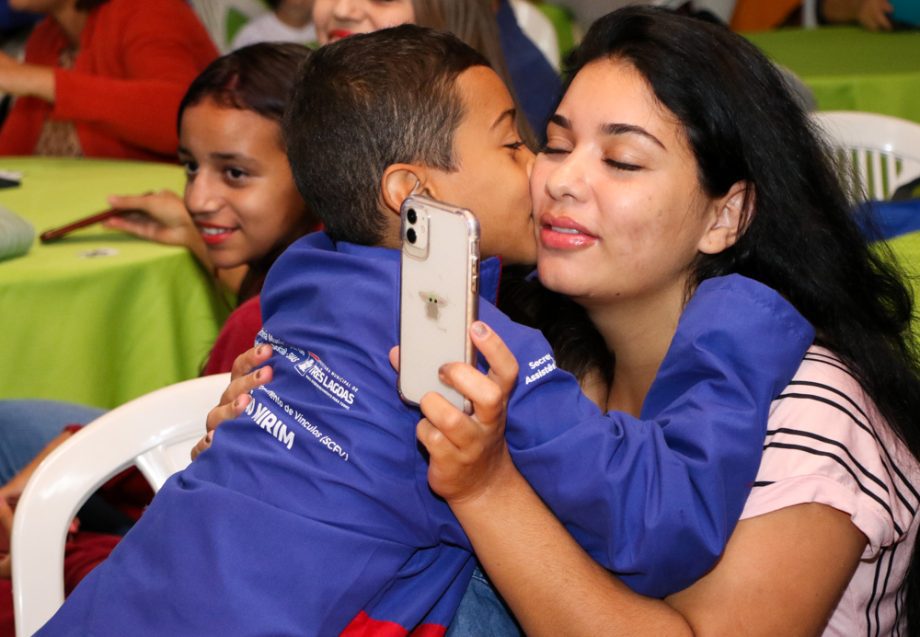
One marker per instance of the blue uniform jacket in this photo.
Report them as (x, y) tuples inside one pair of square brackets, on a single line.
[(311, 512)]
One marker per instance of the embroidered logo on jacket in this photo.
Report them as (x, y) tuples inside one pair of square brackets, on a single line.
[(270, 423), (326, 380)]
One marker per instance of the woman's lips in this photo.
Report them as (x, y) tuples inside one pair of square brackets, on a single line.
[(561, 233), (212, 235)]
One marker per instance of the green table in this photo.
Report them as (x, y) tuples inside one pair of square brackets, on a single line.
[(98, 317), (852, 69)]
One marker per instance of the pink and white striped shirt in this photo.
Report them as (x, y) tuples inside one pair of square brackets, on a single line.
[(827, 443)]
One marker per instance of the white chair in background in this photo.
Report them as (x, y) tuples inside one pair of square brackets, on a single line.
[(219, 15), (810, 14), (154, 432), (877, 153)]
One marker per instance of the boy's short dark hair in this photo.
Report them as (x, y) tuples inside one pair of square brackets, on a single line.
[(367, 102)]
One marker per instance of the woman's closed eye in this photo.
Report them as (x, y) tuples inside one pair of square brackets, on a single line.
[(621, 165), (553, 150)]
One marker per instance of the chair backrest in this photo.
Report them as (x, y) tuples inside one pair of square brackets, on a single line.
[(154, 432), (877, 153), (223, 18)]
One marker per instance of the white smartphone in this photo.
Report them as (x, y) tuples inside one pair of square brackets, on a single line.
[(439, 295)]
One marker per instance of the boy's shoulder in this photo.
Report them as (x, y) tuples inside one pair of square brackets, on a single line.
[(315, 263)]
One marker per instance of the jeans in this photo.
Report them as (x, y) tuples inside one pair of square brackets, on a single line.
[(26, 426), (482, 612)]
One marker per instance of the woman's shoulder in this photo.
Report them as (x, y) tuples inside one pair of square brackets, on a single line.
[(827, 443), (44, 43), (167, 15), (824, 382)]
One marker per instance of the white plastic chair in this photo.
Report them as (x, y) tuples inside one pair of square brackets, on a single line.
[(154, 432), (877, 153)]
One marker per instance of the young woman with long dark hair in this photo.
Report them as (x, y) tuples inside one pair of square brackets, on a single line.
[(663, 112)]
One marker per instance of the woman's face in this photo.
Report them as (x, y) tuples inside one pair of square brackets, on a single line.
[(617, 203), (239, 188), (336, 19)]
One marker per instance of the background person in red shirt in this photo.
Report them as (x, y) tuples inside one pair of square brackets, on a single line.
[(102, 78)]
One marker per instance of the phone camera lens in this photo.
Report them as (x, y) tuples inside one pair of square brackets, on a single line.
[(410, 233), (412, 217)]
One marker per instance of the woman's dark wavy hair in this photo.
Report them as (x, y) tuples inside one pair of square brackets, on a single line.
[(743, 125), (258, 78)]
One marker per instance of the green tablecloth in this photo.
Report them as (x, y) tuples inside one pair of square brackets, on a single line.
[(852, 69), (99, 317)]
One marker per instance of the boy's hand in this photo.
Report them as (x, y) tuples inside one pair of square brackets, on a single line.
[(235, 398), (6, 532)]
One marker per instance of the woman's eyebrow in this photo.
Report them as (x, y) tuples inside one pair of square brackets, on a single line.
[(626, 129), (612, 128)]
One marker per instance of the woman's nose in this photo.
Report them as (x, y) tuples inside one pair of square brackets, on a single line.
[(567, 178), (347, 9)]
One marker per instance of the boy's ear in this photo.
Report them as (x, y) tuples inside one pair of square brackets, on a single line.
[(729, 218), (399, 181)]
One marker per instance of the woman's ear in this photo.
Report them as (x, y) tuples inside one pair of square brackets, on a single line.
[(399, 181), (729, 218)]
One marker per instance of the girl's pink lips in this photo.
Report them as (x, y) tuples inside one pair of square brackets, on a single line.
[(213, 234), (562, 233)]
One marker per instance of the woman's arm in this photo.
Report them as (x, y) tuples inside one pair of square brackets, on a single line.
[(798, 559), (552, 586), (782, 574), (147, 55), (244, 377), (26, 79)]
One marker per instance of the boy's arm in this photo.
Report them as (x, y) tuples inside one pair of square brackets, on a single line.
[(656, 499)]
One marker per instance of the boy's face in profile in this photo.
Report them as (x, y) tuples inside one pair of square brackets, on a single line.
[(492, 178)]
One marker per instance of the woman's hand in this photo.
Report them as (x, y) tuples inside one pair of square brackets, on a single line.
[(875, 15), (871, 14), (468, 452), (18, 79), (244, 377)]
